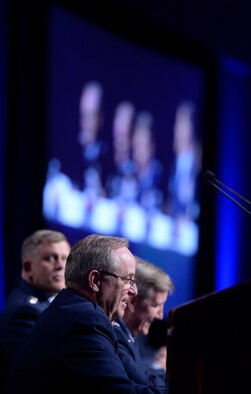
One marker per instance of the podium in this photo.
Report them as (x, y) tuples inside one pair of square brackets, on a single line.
[(209, 343)]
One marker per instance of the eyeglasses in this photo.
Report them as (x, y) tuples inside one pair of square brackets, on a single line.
[(126, 281)]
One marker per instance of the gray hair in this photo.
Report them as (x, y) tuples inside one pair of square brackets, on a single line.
[(150, 277), (31, 243), (92, 252)]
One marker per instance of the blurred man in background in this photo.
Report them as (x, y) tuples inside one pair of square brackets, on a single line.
[(154, 285), (43, 255)]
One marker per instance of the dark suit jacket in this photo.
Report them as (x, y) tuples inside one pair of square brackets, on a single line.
[(72, 348), (132, 360), (22, 308)]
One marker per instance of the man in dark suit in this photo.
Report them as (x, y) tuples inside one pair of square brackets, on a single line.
[(43, 255), (73, 345), (154, 285)]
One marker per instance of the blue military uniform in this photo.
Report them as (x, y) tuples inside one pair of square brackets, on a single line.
[(132, 360), (22, 308), (72, 347)]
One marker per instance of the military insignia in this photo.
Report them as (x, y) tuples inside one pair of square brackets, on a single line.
[(33, 300)]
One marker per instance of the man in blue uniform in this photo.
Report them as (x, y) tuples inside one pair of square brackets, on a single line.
[(43, 255), (73, 345)]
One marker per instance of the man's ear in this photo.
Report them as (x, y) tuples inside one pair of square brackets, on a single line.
[(27, 270), (26, 266), (94, 279)]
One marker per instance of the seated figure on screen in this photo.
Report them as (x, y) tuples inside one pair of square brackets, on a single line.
[(122, 163), (73, 343), (146, 178), (147, 168), (43, 255), (119, 182), (183, 182), (154, 286), (65, 199), (94, 148), (95, 158)]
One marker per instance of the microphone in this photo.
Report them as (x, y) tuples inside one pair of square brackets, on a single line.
[(210, 177)]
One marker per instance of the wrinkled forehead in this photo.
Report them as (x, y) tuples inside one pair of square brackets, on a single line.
[(60, 246), (124, 259)]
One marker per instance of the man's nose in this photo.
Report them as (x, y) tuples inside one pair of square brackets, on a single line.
[(133, 290), (160, 313), (60, 263)]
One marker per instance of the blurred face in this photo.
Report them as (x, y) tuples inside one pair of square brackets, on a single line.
[(89, 125), (115, 290), (146, 311), (45, 269), (121, 132), (143, 148), (90, 114), (183, 133)]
